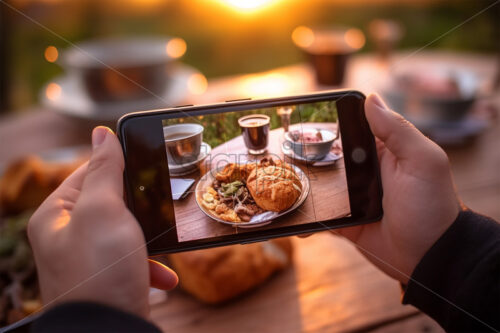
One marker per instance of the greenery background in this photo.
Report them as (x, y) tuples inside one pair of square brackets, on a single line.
[(224, 42), (222, 127)]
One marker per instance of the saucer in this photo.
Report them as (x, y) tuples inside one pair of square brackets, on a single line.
[(70, 99), (329, 159), (452, 133), (187, 168)]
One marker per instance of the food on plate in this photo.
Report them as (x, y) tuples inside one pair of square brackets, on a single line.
[(220, 274), (28, 181), (231, 198), (306, 137), (24, 185), (234, 171), (230, 201), (19, 293), (274, 187)]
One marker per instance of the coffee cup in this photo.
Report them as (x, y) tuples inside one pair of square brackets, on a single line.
[(328, 50), (255, 132), (183, 142), (120, 69)]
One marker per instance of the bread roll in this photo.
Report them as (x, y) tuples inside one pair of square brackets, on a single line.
[(220, 274), (274, 187), (28, 181)]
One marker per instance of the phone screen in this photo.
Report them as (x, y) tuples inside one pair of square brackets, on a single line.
[(258, 170)]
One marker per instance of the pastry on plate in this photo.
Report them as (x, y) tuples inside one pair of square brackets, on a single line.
[(274, 187), (219, 274), (28, 181)]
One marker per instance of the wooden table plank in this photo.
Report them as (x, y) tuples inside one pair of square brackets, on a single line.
[(329, 288), (418, 323), (476, 169), (37, 131)]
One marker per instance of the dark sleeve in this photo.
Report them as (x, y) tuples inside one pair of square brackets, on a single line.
[(89, 317), (457, 282)]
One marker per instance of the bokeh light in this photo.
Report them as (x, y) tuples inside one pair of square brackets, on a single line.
[(53, 91), (354, 38), (51, 54), (176, 47), (197, 84), (303, 36), (267, 85), (246, 6)]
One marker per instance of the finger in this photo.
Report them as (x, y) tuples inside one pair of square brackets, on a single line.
[(62, 198), (105, 169), (162, 277), (399, 136), (67, 191), (72, 183), (351, 233)]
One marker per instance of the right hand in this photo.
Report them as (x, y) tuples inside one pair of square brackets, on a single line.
[(419, 201)]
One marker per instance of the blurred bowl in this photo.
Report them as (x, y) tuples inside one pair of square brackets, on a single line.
[(183, 142), (120, 69), (444, 95), (429, 108), (310, 150)]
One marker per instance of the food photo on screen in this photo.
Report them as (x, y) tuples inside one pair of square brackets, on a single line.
[(235, 172)]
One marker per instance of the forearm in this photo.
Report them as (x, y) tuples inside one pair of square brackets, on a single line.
[(86, 317), (457, 282)]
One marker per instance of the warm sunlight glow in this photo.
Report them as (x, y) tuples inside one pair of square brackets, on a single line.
[(51, 54), (303, 36), (247, 5), (354, 38), (197, 84), (53, 91), (176, 47), (267, 85), (63, 218)]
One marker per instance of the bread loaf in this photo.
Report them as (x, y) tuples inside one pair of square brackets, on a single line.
[(220, 274), (27, 182), (274, 188)]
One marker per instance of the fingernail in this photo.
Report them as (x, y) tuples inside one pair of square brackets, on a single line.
[(378, 101), (98, 136)]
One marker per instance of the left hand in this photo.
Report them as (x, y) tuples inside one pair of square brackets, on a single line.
[(87, 245)]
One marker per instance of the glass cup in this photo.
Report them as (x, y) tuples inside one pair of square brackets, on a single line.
[(285, 114), (255, 132), (328, 50)]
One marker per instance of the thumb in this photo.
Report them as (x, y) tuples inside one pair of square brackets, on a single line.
[(105, 170), (399, 136), (161, 277)]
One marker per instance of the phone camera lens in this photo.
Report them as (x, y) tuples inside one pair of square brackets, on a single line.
[(358, 155)]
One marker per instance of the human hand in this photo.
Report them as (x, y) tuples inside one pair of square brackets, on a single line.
[(86, 243), (419, 200)]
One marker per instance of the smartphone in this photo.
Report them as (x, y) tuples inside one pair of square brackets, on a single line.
[(261, 169)]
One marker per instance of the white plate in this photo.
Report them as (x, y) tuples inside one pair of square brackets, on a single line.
[(187, 168), (329, 159), (73, 100), (257, 220)]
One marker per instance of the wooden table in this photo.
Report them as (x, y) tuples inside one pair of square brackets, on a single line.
[(326, 181), (330, 287)]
